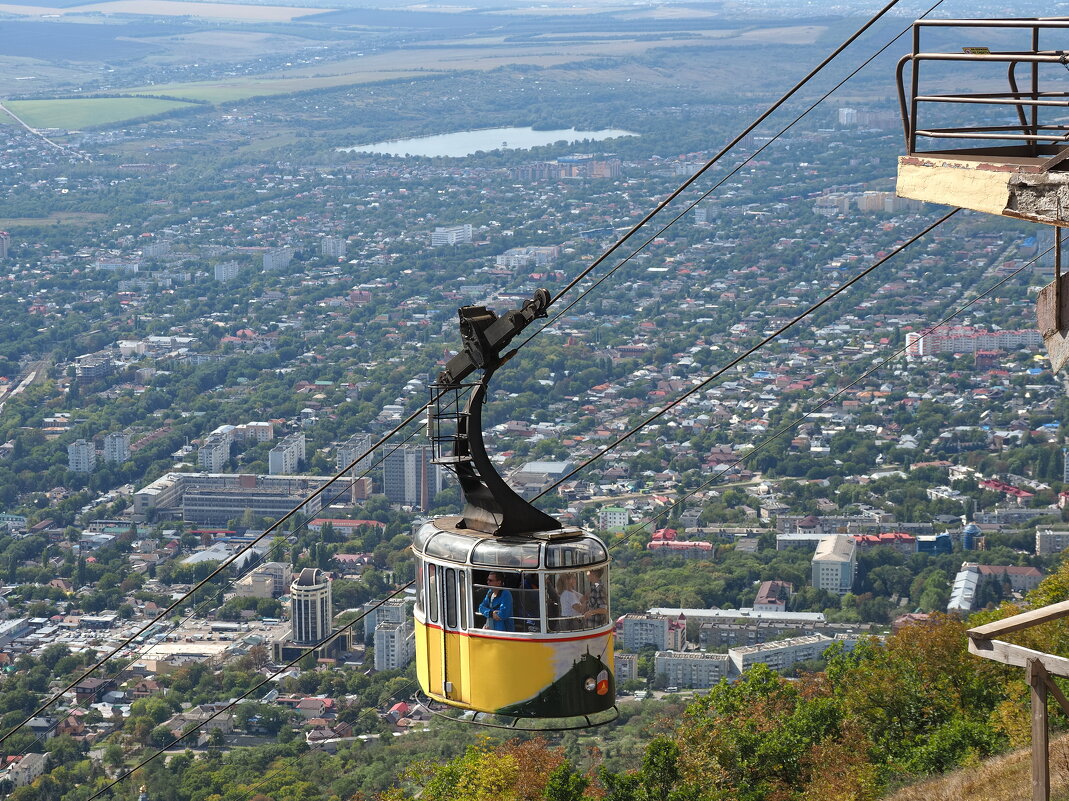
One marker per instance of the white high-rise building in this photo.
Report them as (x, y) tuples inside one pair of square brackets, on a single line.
[(278, 259), (5, 244), (410, 478), (227, 270), (451, 235), (395, 610), (395, 646), (835, 564), (81, 457), (333, 247), (214, 452), (311, 606), (351, 449), (116, 446), (283, 459)]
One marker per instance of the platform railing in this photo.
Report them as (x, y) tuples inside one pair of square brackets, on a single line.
[(1039, 668), (1033, 136)]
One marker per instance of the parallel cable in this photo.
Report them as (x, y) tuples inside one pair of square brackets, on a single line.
[(222, 566), (321, 644), (750, 351), (732, 172), (619, 243), (724, 150), (765, 443)]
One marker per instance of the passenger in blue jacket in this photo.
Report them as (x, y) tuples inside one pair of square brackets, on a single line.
[(497, 604)]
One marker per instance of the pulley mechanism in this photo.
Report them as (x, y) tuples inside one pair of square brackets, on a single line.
[(491, 505)]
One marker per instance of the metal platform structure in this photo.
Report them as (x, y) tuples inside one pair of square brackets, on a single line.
[(1017, 166), (1013, 161)]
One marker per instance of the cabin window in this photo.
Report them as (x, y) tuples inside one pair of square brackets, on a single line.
[(462, 581), (572, 553), (501, 553), (421, 601), (577, 600), (432, 593), (494, 597), (450, 597)]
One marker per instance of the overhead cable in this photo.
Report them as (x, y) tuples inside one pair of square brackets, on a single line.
[(745, 354), (733, 171)]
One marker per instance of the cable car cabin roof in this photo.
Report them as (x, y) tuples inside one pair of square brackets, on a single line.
[(441, 539)]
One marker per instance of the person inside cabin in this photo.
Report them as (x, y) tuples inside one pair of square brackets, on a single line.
[(552, 605), (571, 602), (527, 616), (497, 604), (597, 605)]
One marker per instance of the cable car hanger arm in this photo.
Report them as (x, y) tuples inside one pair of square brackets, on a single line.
[(484, 335)]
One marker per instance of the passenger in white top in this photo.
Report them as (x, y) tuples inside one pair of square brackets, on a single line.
[(571, 602)]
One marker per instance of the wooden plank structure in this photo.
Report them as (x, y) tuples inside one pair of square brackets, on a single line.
[(1039, 668)]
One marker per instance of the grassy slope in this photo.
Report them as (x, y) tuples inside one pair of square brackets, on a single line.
[(1005, 778)]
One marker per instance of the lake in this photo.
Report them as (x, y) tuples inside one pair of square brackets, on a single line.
[(464, 143)]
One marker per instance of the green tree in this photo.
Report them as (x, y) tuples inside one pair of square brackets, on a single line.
[(565, 784)]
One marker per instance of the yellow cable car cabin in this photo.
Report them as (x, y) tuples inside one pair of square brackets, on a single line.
[(516, 627), (512, 613)]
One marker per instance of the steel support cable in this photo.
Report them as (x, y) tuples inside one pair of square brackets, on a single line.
[(750, 351), (311, 649), (777, 434), (723, 151), (734, 170), (826, 299), (620, 242), (763, 444), (768, 441), (224, 588), (222, 566)]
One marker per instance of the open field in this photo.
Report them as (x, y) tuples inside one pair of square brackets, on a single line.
[(490, 53), (87, 111), (57, 218), (244, 88), (793, 35), (568, 44), (399, 64), (172, 8), (207, 45)]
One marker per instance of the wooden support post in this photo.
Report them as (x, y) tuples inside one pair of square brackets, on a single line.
[(1037, 680)]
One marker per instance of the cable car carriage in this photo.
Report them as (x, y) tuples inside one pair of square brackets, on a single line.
[(512, 613)]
